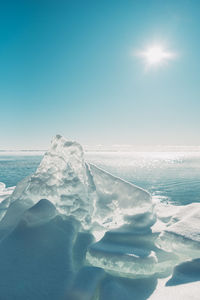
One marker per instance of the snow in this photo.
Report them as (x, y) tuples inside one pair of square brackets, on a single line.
[(5, 192), (187, 291), (181, 233), (74, 231), (36, 258)]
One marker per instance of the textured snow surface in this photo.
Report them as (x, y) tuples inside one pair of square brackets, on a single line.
[(181, 233), (73, 231)]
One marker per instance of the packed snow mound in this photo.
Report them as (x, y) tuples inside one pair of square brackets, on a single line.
[(94, 197), (36, 258), (181, 234), (186, 272)]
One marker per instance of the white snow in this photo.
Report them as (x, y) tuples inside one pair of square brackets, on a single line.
[(181, 233), (189, 291)]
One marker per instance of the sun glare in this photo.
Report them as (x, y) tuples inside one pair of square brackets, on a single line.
[(156, 55)]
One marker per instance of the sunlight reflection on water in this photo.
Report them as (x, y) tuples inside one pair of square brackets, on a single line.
[(170, 176)]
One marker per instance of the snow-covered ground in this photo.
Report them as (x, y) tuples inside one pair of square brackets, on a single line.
[(74, 231)]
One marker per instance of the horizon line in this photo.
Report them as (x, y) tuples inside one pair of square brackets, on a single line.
[(118, 148)]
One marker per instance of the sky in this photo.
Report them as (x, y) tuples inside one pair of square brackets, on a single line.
[(73, 68)]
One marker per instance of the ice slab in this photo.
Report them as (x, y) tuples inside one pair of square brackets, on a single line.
[(117, 200), (130, 254)]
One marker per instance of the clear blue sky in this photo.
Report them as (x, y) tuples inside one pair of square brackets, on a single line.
[(68, 67)]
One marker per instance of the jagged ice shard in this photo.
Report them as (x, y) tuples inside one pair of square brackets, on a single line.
[(70, 229), (92, 196)]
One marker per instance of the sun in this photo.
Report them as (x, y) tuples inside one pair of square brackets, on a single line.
[(156, 55)]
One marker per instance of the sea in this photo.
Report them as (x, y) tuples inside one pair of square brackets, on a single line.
[(170, 176)]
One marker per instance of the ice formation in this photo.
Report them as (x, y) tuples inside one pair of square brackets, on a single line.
[(181, 234), (4, 191), (94, 197), (4, 198), (73, 231)]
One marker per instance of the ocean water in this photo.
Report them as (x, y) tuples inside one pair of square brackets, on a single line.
[(172, 177), (13, 168)]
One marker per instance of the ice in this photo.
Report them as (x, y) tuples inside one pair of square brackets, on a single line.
[(74, 231), (4, 198), (5, 192), (62, 178), (94, 197), (2, 186), (51, 220), (181, 234), (130, 253), (4, 207), (117, 201)]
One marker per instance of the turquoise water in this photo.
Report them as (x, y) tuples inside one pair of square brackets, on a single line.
[(15, 168), (171, 176)]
